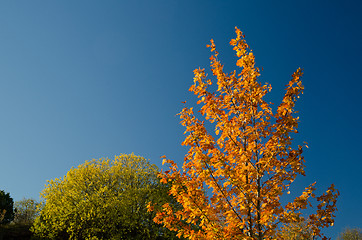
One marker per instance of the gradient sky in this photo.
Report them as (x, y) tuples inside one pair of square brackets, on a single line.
[(90, 79)]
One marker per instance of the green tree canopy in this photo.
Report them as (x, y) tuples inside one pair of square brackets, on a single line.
[(6, 207), (351, 234), (26, 211), (298, 230), (103, 199)]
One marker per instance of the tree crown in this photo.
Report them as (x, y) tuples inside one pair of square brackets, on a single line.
[(233, 179)]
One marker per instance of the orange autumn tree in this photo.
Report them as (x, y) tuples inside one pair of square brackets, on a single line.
[(233, 180)]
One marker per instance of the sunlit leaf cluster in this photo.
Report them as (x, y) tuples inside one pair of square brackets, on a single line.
[(103, 199)]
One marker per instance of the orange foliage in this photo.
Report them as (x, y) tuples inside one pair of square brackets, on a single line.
[(232, 181)]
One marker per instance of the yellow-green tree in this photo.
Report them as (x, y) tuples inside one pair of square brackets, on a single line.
[(350, 234), (103, 199), (233, 178), (26, 211), (296, 231)]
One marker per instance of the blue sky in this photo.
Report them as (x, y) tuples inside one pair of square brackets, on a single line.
[(90, 79)]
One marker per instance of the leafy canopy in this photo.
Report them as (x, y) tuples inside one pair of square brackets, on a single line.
[(350, 234), (6, 208), (233, 180), (103, 199), (26, 211), (296, 231)]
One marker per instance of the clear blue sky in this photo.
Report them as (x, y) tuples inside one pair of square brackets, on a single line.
[(90, 79)]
